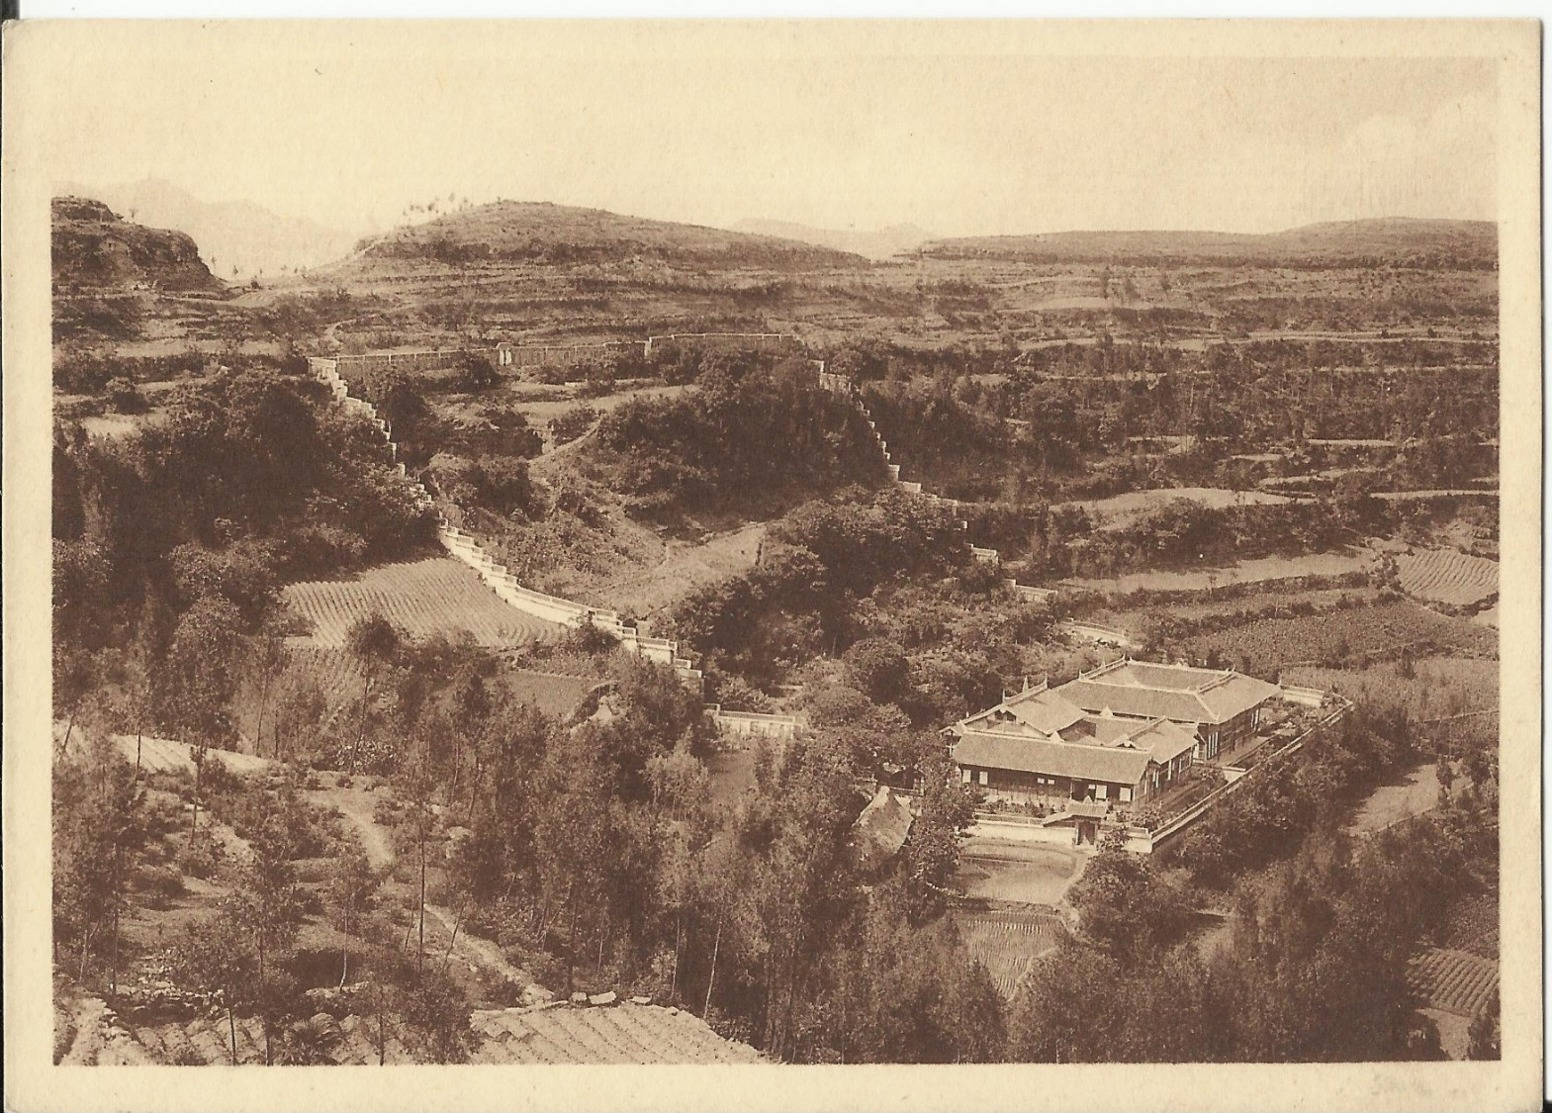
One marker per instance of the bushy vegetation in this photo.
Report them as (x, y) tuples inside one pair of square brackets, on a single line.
[(1314, 969), (749, 435)]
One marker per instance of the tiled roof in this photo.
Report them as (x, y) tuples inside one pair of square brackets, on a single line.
[(881, 829), (1185, 695), (1042, 711), (1083, 761), (1160, 737)]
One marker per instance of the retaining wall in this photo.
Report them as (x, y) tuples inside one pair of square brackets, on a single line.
[(753, 723), (463, 547), (845, 386)]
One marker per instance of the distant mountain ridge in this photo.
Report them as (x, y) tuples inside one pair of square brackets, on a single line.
[(1405, 240), (881, 243), (531, 231), (237, 239), (93, 250)]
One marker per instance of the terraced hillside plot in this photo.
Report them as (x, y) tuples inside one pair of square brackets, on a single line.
[(621, 1034), (1454, 981), (1258, 570), (437, 595), (1118, 508), (1009, 943), (1345, 636), (555, 694), (684, 568), (1447, 576)]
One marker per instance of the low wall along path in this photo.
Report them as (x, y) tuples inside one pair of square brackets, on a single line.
[(461, 546)]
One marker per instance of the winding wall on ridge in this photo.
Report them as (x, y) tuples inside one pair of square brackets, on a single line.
[(495, 575)]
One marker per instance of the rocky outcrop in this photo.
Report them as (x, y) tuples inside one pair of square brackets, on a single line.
[(94, 251)]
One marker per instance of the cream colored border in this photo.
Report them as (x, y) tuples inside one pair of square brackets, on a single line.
[(39, 61)]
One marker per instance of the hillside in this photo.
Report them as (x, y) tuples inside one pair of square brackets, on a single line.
[(516, 232), (1461, 244), (236, 238), (880, 243), (93, 249)]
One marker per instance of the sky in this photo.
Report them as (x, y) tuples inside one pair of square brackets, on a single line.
[(349, 128)]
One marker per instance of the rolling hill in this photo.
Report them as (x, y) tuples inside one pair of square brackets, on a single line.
[(539, 232), (1457, 244), (881, 243), (94, 250)]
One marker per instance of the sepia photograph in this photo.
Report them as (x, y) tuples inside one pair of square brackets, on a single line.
[(1000, 547)]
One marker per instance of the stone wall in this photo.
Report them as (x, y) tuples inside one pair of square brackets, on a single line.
[(465, 548)]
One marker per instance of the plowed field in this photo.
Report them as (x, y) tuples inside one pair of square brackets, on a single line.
[(1009, 943), (1454, 981), (437, 595), (1447, 576)]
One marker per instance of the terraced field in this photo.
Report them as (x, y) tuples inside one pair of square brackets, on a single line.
[(555, 694), (621, 1034), (1447, 576), (1009, 943), (1365, 633), (437, 595), (165, 755), (1454, 981)]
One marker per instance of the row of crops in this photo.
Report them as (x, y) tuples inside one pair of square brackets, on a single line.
[(1454, 981), (1447, 576), (1008, 944), (1345, 637), (437, 595)]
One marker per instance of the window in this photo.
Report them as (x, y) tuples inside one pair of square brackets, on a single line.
[(984, 780), (1126, 795), (1101, 792), (966, 775)]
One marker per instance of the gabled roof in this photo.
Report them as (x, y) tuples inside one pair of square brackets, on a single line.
[(1186, 695), (880, 831), (1038, 709), (1161, 738), (1052, 758)]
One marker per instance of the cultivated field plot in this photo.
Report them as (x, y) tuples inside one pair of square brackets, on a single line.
[(1009, 943), (1118, 507), (684, 568), (334, 669), (1473, 925), (1454, 981), (1415, 792), (437, 595), (621, 1034), (1447, 576), (1317, 599), (1440, 687), (1024, 872), (1260, 570), (1345, 636), (165, 755), (555, 694)]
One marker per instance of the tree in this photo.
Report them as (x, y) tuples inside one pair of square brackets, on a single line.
[(99, 830), (1127, 909), (352, 888), (931, 851), (375, 642), (268, 908), (198, 681), (1485, 1041)]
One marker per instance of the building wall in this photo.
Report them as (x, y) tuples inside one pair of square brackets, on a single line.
[(1023, 787)]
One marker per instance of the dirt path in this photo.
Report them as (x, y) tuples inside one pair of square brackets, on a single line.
[(483, 953), (358, 806), (97, 1039)]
